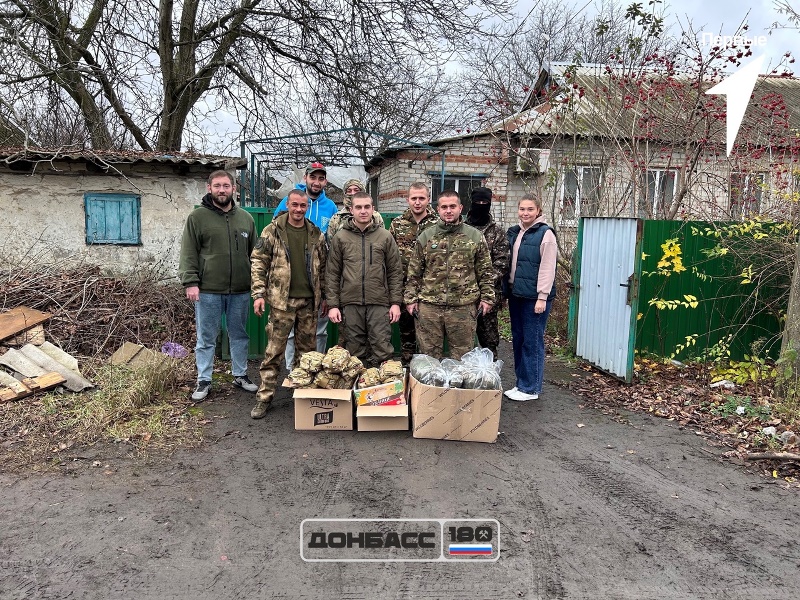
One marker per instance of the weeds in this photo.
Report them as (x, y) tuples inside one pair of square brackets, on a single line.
[(139, 406)]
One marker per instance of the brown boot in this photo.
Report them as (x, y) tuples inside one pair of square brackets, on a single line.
[(259, 410)]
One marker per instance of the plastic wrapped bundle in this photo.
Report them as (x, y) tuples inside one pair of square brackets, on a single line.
[(428, 370), (327, 380), (455, 372), (480, 370), (312, 361), (369, 378), (391, 370), (300, 377), (336, 360)]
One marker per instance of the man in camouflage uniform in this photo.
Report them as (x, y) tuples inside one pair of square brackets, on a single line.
[(450, 281), (405, 229), (288, 273), (480, 217), (351, 188)]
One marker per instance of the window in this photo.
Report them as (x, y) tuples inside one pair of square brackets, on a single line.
[(580, 193), (112, 218), (745, 194), (657, 193), (463, 184)]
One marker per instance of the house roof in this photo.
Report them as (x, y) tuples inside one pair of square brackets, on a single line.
[(10, 155), (590, 102), (394, 150)]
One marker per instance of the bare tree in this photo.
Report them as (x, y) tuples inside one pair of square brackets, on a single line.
[(138, 73), (501, 70)]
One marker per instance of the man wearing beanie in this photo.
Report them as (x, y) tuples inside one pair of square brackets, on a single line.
[(351, 188), (480, 217)]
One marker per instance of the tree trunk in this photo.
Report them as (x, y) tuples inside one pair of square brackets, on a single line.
[(787, 386)]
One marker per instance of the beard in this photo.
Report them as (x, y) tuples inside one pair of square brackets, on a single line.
[(223, 200)]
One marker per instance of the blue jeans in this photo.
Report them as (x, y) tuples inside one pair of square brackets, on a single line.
[(527, 333), (322, 340), (208, 313)]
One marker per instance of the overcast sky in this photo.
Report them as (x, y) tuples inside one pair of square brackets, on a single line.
[(719, 17)]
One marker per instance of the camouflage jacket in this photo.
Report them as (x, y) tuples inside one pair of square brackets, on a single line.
[(500, 252), (340, 218), (271, 267), (405, 229), (450, 266)]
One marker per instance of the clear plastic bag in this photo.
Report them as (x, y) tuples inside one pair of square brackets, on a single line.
[(455, 372), (481, 371), (427, 370)]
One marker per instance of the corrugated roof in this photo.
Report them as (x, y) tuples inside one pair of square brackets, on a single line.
[(10, 154)]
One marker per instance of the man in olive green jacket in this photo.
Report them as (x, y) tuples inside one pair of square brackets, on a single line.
[(288, 270), (364, 283), (215, 272)]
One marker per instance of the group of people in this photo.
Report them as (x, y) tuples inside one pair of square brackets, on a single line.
[(436, 275)]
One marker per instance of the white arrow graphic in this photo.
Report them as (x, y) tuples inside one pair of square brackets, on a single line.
[(737, 89)]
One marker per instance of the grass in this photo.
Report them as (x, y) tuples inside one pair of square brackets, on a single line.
[(142, 407)]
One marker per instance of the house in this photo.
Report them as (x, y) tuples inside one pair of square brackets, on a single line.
[(117, 209), (596, 141)]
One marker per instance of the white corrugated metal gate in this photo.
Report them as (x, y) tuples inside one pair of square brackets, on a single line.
[(609, 271)]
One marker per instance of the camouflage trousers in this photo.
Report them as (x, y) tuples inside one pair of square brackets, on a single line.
[(408, 335), (488, 331), (456, 322), (301, 315)]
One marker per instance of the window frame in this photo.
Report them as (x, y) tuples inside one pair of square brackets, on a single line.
[(651, 208), (95, 203), (580, 172), (473, 181), (742, 207)]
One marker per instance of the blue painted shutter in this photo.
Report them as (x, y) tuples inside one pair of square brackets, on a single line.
[(112, 218)]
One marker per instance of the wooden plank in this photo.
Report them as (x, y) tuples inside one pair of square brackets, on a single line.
[(19, 319), (8, 381), (7, 394), (44, 382)]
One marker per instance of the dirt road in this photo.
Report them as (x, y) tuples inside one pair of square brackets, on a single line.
[(608, 510)]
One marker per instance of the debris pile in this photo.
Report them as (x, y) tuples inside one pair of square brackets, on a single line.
[(93, 314)]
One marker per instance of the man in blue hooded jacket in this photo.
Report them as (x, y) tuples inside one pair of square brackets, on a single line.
[(320, 210)]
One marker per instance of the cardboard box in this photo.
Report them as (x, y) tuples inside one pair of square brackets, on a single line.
[(318, 409), (454, 414), (386, 417), (392, 394)]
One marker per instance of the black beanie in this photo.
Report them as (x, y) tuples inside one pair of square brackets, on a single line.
[(481, 194)]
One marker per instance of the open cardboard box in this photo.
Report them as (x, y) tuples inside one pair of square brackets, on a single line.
[(385, 417), (317, 409), (454, 413)]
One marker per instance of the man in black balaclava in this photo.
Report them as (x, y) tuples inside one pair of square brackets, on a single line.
[(480, 217)]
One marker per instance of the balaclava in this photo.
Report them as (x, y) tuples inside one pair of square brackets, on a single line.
[(480, 209)]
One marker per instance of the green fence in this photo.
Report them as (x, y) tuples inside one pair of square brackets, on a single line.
[(725, 306), (256, 326)]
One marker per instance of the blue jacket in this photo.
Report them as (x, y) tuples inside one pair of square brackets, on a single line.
[(526, 276), (319, 211)]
